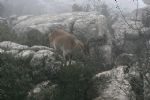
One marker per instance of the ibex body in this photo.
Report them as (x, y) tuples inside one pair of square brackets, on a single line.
[(67, 43)]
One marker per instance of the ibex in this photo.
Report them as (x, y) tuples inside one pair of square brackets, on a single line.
[(67, 43)]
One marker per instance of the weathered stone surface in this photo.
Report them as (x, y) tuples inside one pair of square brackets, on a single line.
[(85, 25), (12, 52), (36, 47), (1, 50), (42, 91), (113, 85), (106, 51), (10, 45), (3, 21), (42, 56), (25, 54), (37, 54), (80, 23)]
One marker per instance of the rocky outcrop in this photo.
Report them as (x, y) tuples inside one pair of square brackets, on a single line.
[(12, 46), (113, 85), (3, 21), (81, 23), (38, 55), (89, 26), (132, 35)]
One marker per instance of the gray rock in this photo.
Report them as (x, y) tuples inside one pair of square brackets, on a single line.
[(1, 50), (37, 54), (80, 23), (12, 46), (42, 56), (106, 51), (85, 25), (36, 47), (3, 21), (113, 85), (42, 91), (25, 54), (12, 52)]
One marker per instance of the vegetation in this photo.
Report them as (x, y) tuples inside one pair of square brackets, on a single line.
[(6, 34), (17, 78), (34, 37), (74, 83)]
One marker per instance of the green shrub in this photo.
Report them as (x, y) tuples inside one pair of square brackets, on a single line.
[(34, 37), (6, 34), (17, 77), (74, 83)]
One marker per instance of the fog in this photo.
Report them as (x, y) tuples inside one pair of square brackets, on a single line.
[(37, 7)]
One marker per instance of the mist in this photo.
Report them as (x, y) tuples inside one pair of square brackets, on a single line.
[(38, 7)]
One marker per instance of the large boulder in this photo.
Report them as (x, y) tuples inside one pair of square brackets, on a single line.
[(37, 54), (3, 21), (12, 46), (41, 56), (80, 23), (113, 85), (25, 54), (87, 26)]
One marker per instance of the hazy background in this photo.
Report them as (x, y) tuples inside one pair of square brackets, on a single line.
[(36, 7)]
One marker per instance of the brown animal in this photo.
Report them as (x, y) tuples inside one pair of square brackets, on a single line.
[(67, 43)]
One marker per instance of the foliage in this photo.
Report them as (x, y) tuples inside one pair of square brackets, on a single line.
[(34, 37), (17, 77), (30, 38), (74, 83), (6, 34)]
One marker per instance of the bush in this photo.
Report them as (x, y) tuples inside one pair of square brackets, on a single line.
[(34, 37), (6, 34), (30, 38), (17, 77), (15, 80), (74, 83)]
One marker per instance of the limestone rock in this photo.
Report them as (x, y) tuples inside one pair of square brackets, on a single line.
[(41, 56), (42, 91), (25, 54), (113, 85), (12, 45)]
